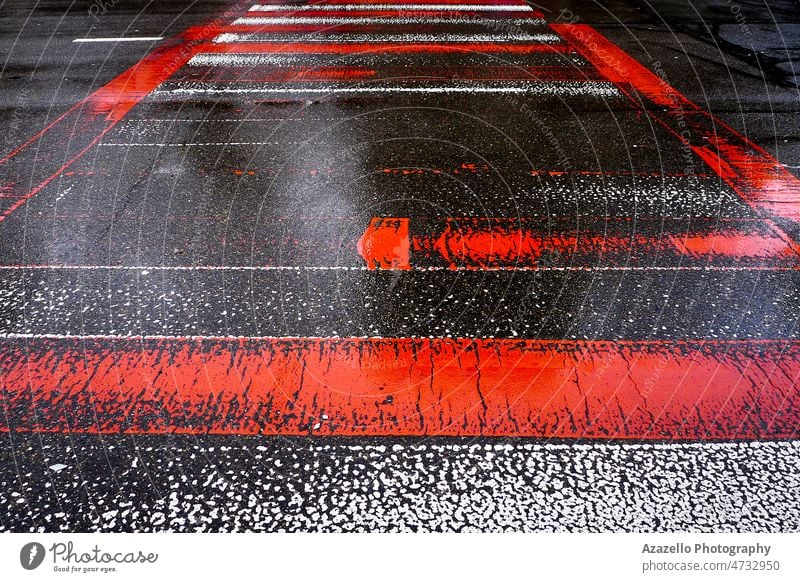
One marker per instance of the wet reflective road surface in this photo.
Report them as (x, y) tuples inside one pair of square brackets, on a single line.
[(360, 266)]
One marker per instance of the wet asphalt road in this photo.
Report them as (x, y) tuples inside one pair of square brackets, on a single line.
[(230, 200)]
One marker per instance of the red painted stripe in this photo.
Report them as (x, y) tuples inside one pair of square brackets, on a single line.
[(357, 48), (492, 387), (386, 244), (508, 243), (753, 173), (46, 155)]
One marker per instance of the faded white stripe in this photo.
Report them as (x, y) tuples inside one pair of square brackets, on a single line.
[(398, 7), (121, 39), (371, 59), (112, 337), (336, 20), (539, 38), (426, 485), (146, 270), (566, 88)]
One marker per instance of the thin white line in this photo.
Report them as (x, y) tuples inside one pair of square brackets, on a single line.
[(538, 37), (66, 336), (199, 338), (148, 269), (256, 268), (334, 20), (121, 39), (145, 120), (398, 7), (189, 144)]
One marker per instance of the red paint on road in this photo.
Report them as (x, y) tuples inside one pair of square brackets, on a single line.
[(754, 174), (51, 151), (401, 386), (385, 244), (508, 243)]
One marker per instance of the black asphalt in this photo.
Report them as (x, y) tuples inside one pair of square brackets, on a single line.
[(245, 183)]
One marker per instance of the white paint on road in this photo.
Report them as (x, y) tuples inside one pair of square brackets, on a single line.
[(377, 59), (398, 7), (538, 38), (121, 39), (338, 20), (600, 89), (329, 485), (311, 268)]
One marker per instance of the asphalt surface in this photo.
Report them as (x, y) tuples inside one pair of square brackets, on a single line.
[(254, 484), (228, 231)]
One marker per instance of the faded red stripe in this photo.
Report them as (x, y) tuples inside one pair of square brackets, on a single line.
[(82, 126), (491, 387), (490, 243), (753, 173)]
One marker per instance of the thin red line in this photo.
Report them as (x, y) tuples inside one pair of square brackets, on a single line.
[(402, 386), (95, 115), (24, 198), (40, 133)]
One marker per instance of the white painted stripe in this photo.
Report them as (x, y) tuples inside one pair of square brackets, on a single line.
[(374, 59), (427, 485), (146, 270), (121, 39), (336, 20), (193, 144), (560, 88), (143, 122), (91, 337), (398, 7), (333, 38)]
